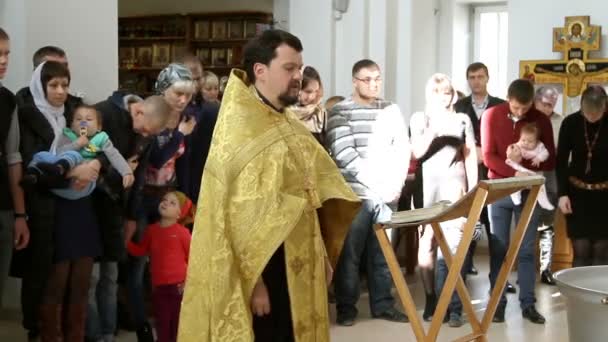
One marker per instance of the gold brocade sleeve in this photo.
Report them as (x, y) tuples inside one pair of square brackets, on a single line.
[(196, 320), (339, 207), (234, 237), (335, 218)]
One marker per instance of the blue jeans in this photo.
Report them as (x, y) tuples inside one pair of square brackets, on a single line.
[(360, 238), (501, 213), (453, 236), (73, 158), (137, 265), (101, 314)]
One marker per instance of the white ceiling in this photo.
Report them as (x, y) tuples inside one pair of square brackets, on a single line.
[(128, 8), (479, 1)]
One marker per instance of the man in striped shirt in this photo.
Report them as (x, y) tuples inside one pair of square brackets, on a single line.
[(367, 138)]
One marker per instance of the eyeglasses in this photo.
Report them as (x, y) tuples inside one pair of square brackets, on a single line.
[(369, 80)]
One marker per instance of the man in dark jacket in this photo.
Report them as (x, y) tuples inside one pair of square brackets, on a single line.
[(14, 231), (474, 105), (130, 122), (200, 142), (189, 167)]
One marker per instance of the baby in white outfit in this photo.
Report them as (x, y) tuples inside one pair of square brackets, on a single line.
[(529, 147)]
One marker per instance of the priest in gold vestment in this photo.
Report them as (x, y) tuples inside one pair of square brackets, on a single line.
[(273, 214)]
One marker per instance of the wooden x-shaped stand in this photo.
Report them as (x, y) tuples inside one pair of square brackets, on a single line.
[(470, 206)]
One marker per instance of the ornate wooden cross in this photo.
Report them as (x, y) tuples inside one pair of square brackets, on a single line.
[(576, 70)]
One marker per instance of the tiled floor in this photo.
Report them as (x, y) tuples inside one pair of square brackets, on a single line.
[(550, 304)]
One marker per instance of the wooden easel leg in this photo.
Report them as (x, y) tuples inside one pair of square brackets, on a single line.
[(403, 291), (507, 264), (455, 264), (463, 293)]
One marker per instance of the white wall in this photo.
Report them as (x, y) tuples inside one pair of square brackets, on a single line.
[(315, 35), (462, 41), (280, 13), (530, 33), (454, 41), (399, 35), (128, 8), (425, 48), (444, 37), (12, 14), (351, 41), (86, 29), (398, 69)]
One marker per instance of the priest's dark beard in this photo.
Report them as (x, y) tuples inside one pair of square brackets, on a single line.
[(288, 100)]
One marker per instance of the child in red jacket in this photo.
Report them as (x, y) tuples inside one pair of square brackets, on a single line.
[(168, 244)]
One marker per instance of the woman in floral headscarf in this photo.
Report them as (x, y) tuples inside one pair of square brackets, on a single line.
[(309, 109), (176, 85)]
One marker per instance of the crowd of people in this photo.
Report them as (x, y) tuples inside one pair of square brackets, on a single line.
[(248, 201)]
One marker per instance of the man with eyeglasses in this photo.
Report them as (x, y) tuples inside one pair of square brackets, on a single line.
[(367, 138)]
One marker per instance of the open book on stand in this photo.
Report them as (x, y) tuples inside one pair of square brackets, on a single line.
[(410, 217)]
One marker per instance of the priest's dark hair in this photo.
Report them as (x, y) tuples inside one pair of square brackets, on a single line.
[(263, 49), (521, 90), (3, 34)]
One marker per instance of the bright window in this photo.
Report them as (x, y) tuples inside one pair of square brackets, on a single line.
[(491, 45)]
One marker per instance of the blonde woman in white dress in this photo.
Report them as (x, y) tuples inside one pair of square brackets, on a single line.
[(444, 143)]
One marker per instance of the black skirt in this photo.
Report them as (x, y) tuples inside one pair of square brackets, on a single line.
[(588, 218), (76, 229)]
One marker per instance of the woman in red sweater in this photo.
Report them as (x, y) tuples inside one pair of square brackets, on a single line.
[(168, 244)]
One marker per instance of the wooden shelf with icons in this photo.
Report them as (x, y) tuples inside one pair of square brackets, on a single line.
[(149, 43)]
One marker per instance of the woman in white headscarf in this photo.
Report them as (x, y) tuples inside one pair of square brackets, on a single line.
[(64, 233), (309, 109)]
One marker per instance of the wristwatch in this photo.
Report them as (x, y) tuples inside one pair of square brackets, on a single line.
[(21, 215)]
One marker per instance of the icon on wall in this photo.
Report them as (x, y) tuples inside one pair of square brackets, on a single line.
[(161, 55)]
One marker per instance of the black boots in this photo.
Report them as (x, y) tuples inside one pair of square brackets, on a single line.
[(547, 278), (429, 307), (46, 176), (144, 333)]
